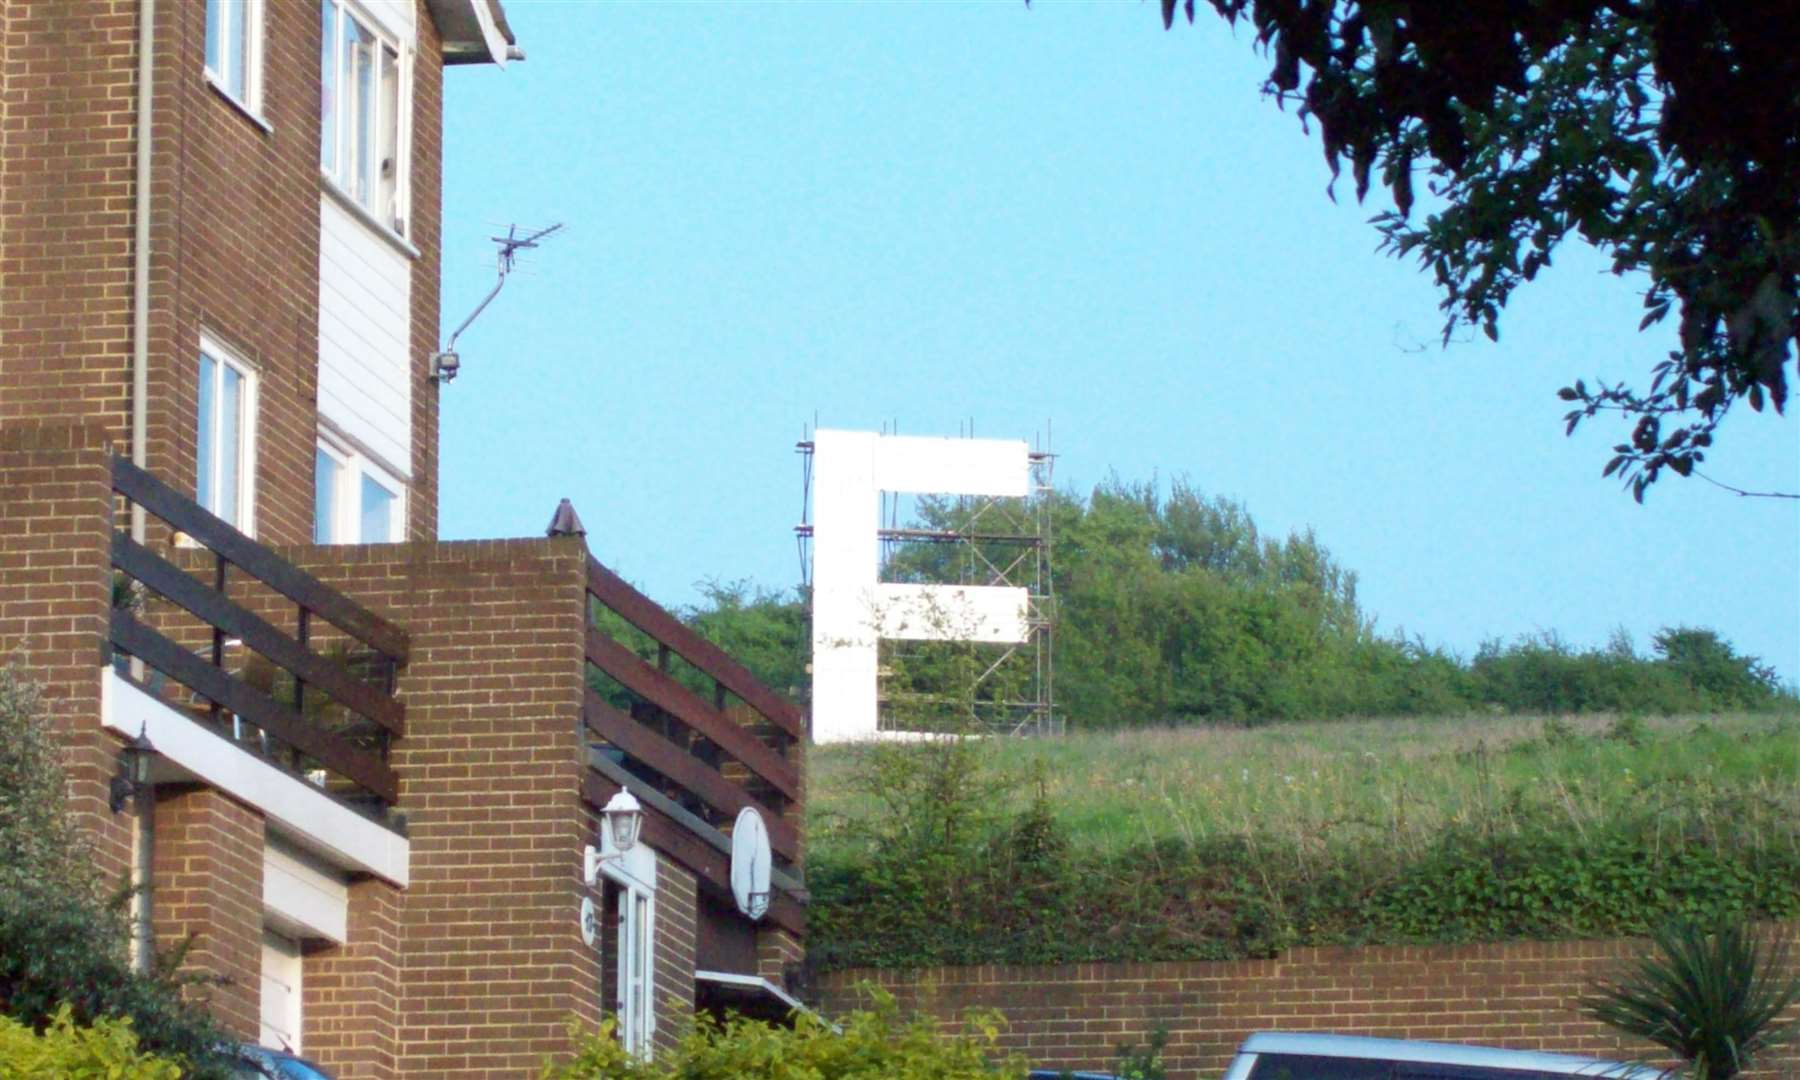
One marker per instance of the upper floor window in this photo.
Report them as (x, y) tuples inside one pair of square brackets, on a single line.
[(225, 435), (234, 50), (355, 501), (365, 101)]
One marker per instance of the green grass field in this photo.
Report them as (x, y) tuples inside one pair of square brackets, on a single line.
[(1394, 783)]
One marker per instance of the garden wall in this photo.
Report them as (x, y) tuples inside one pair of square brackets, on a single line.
[(1076, 1016)]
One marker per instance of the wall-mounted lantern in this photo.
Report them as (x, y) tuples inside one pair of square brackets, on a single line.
[(133, 777), (622, 820)]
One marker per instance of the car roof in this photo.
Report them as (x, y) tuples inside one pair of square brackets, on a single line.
[(1362, 1046)]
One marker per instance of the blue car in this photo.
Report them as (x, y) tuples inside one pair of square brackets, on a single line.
[(261, 1063)]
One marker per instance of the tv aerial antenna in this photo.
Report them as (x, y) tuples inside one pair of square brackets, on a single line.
[(445, 363)]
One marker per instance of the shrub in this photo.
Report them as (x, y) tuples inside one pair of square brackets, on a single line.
[(874, 1044), (67, 1051), (62, 948)]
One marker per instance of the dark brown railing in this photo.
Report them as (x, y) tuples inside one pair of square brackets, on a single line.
[(333, 710), (710, 754)]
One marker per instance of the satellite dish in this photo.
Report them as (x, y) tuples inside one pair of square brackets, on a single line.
[(750, 863)]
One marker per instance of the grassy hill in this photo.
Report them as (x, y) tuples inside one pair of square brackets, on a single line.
[(1232, 841)]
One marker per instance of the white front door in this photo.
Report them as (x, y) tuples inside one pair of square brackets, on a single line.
[(280, 992)]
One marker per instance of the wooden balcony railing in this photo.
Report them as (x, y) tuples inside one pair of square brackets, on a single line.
[(311, 710), (710, 738)]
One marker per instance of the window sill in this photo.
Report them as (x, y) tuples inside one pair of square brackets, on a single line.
[(361, 213), (250, 114)]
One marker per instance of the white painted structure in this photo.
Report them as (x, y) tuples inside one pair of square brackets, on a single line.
[(852, 610), (293, 808), (365, 328)]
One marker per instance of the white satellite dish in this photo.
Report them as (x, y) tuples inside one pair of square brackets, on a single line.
[(750, 863)]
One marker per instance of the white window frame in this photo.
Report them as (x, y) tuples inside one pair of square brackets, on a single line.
[(346, 526), (397, 220), (222, 357), (634, 875), (251, 11)]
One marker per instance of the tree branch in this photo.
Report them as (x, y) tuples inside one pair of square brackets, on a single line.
[(1742, 494)]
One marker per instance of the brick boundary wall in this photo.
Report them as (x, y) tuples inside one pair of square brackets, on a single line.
[(1520, 995)]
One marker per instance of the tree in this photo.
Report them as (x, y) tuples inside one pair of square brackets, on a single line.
[(1711, 995), (1666, 133)]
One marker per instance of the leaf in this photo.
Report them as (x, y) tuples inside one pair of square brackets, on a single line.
[(1568, 393), (1613, 466)]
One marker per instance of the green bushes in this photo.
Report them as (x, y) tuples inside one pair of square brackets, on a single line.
[(868, 1045), (1173, 608), (977, 852), (62, 945), (65, 1051)]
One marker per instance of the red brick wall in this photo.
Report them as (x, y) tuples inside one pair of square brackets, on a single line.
[(1520, 995), (55, 600), (427, 236), (208, 862), (65, 211), (677, 926), (490, 957), (234, 241), (350, 1007)]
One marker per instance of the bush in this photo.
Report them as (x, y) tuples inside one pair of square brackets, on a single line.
[(873, 1044), (63, 953), (62, 947), (960, 867), (66, 1051)]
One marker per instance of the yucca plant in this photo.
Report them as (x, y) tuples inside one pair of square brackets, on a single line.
[(1713, 995)]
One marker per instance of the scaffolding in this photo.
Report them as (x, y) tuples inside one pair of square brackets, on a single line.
[(934, 687)]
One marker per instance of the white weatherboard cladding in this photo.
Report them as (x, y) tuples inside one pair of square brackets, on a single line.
[(282, 971), (303, 897), (365, 333), (852, 611)]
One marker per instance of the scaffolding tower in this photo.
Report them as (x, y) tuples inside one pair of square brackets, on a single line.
[(930, 687)]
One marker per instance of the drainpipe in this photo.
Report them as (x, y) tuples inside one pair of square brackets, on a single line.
[(142, 946)]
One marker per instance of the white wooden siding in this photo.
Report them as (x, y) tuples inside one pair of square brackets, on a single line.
[(365, 314)]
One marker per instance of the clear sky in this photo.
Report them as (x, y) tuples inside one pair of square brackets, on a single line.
[(924, 214)]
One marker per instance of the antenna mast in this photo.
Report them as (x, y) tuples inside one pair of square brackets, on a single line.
[(445, 363)]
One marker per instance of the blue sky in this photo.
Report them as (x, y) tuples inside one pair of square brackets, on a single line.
[(926, 213)]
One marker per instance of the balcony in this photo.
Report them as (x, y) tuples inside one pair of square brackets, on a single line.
[(693, 735), (312, 699)]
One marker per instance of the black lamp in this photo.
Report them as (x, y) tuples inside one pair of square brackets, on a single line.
[(134, 770)]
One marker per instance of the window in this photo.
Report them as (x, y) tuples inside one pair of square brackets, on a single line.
[(224, 436), (631, 887), (364, 113), (355, 501), (636, 1019), (234, 50)]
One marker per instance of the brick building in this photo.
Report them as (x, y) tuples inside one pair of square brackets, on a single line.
[(376, 759)]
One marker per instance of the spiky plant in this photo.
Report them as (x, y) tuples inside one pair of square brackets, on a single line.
[(1713, 995)]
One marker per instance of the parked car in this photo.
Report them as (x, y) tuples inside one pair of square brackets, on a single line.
[(1057, 1074), (261, 1063), (1273, 1055)]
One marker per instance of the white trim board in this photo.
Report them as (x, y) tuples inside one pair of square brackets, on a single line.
[(301, 812)]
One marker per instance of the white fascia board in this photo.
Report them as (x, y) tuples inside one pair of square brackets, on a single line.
[(302, 897), (982, 613), (311, 818), (490, 33), (941, 466)]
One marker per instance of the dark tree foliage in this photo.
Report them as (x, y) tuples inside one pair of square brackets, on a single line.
[(1666, 133)]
